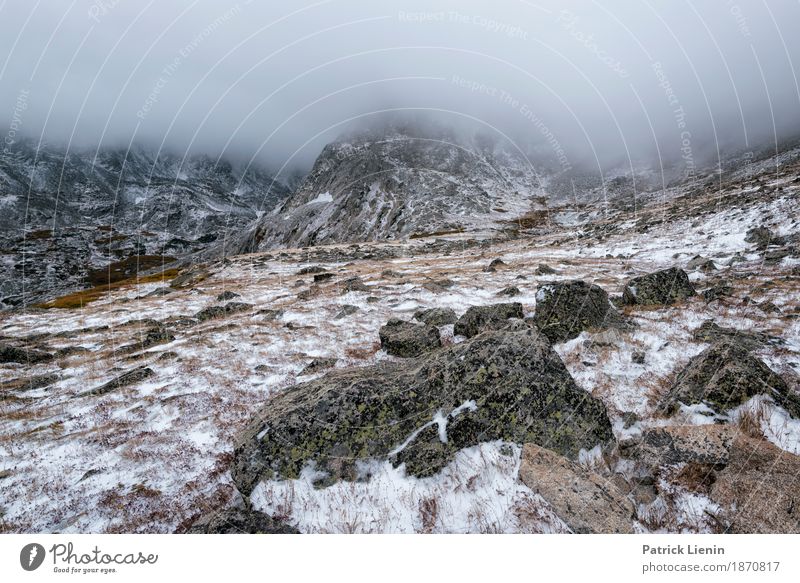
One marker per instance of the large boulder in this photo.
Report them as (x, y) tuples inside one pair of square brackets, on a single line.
[(565, 309), (724, 376), (407, 339), (586, 501), (479, 319), (663, 287), (759, 490), (507, 385)]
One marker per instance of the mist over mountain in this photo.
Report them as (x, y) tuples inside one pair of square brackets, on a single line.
[(593, 84)]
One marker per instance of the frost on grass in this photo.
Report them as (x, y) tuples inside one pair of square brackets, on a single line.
[(477, 492)]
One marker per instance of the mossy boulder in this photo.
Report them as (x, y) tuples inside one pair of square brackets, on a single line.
[(663, 287), (407, 339), (436, 316), (507, 385), (565, 309), (724, 376), (479, 319)]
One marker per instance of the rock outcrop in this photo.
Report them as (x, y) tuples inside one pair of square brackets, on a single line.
[(663, 287), (586, 501), (507, 385), (565, 309), (479, 319), (724, 376), (407, 339)]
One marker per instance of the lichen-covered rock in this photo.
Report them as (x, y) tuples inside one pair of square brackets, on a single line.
[(436, 316), (565, 309), (214, 312), (586, 501), (23, 355), (479, 319), (407, 339), (710, 331), (507, 385), (663, 287), (701, 444), (240, 521), (724, 376)]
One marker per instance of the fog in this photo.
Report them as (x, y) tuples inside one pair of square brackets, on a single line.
[(590, 82)]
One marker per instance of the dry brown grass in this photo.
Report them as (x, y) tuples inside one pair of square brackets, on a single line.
[(84, 297)]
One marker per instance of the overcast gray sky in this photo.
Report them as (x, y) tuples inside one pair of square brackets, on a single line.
[(275, 80)]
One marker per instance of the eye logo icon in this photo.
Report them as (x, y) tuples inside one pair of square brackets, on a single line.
[(31, 556)]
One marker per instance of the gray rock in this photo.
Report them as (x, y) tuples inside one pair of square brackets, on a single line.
[(663, 287), (702, 444), (318, 365), (479, 319), (346, 310), (189, 278), (354, 284), (131, 377), (407, 339), (724, 376), (494, 265), (240, 521), (436, 316), (507, 385), (565, 309), (23, 355), (698, 262), (311, 270), (227, 295), (762, 238), (759, 490), (544, 269), (510, 291), (214, 312), (586, 501)]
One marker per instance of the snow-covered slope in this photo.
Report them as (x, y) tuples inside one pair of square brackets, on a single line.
[(400, 183), (65, 214)]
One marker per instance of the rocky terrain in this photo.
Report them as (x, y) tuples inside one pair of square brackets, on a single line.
[(638, 372), (86, 218)]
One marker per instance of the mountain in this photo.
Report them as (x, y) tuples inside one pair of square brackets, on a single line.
[(67, 217), (401, 182)]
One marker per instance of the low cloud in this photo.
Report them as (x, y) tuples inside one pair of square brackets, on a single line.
[(588, 83)]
